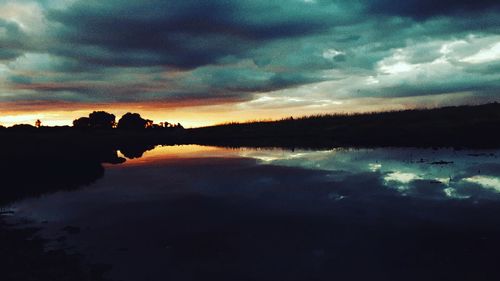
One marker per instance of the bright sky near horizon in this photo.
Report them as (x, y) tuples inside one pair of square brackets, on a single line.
[(212, 61)]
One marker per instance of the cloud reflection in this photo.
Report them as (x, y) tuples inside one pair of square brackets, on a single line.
[(402, 169)]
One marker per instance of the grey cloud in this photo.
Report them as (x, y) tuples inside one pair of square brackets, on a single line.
[(406, 89), (118, 50), (424, 9), (183, 34), (12, 40)]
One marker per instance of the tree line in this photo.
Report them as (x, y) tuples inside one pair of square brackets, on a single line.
[(129, 121), (105, 120)]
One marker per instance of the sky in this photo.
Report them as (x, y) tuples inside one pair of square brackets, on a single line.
[(202, 62)]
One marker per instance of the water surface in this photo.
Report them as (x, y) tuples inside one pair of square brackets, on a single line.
[(206, 213)]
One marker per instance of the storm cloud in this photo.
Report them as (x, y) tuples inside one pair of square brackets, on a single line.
[(220, 52), (424, 9)]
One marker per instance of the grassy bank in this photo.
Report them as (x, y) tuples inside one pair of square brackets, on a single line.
[(462, 126)]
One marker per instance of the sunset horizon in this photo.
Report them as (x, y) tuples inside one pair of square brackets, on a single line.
[(201, 116)]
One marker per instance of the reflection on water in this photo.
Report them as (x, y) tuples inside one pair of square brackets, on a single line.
[(440, 173), (160, 153), (205, 213)]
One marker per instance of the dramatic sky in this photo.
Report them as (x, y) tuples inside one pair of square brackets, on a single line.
[(207, 61)]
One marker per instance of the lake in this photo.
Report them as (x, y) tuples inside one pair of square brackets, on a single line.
[(207, 213)]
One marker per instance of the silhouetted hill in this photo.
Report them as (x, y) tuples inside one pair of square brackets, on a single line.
[(461, 126)]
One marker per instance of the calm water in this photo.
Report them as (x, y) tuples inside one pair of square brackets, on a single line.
[(204, 213)]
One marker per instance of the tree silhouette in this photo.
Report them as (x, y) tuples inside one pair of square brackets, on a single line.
[(38, 123), (134, 121), (101, 120), (82, 122)]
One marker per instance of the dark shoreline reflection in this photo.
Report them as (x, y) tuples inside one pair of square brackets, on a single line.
[(132, 151), (30, 171), (43, 168), (201, 213), (35, 171)]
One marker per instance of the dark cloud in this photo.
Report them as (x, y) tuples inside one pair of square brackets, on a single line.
[(424, 9), (12, 40), (436, 87), (216, 50), (484, 68), (182, 34), (244, 79)]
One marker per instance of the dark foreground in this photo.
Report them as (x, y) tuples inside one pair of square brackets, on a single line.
[(24, 257), (191, 213), (217, 217)]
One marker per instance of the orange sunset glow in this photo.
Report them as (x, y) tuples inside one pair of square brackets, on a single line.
[(61, 114)]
